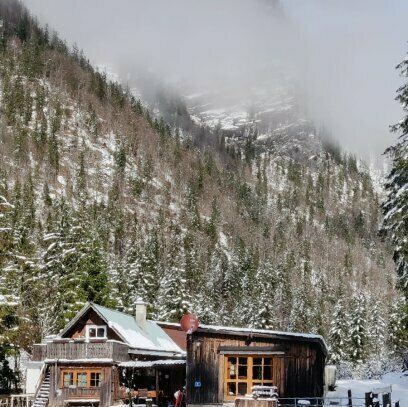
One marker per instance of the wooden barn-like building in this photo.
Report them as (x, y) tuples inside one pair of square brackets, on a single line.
[(105, 357), (223, 363)]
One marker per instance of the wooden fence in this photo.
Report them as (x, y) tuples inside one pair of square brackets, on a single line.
[(17, 400)]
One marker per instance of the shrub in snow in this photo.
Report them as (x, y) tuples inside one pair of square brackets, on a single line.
[(344, 371), (373, 368)]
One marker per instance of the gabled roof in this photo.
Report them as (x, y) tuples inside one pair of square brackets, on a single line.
[(149, 338)]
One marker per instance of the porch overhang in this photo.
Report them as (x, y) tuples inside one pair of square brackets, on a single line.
[(93, 361), (141, 364), (147, 352)]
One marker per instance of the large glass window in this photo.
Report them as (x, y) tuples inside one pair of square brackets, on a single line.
[(243, 372), (237, 375), (81, 378)]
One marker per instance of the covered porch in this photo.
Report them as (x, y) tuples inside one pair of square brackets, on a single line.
[(155, 379)]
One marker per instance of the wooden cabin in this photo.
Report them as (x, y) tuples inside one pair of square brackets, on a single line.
[(223, 363), (100, 354), (104, 357)]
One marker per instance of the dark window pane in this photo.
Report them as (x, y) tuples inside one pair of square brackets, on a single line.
[(257, 361), (242, 372), (95, 379), (257, 372), (242, 389), (233, 361), (101, 333), (231, 389), (243, 361), (92, 332), (268, 361), (267, 373)]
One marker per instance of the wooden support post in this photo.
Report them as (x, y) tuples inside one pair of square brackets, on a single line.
[(386, 398), (369, 399), (350, 399), (157, 386), (376, 401)]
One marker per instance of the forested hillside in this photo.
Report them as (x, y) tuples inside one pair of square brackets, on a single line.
[(102, 201)]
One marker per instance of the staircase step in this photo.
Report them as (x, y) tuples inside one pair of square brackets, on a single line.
[(43, 394)]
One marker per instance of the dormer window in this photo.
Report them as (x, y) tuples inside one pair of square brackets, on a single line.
[(96, 332)]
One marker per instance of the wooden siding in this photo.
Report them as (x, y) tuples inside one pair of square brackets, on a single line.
[(60, 396), (81, 350), (298, 372)]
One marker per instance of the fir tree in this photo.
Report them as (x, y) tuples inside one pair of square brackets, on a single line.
[(339, 331), (395, 206), (359, 335)]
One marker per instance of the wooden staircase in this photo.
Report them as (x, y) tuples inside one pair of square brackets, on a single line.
[(43, 392)]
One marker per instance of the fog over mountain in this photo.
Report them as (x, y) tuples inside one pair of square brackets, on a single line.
[(341, 55)]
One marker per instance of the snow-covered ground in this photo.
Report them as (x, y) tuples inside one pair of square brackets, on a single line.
[(398, 381)]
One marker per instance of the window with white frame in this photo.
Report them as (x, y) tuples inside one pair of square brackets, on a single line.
[(96, 331)]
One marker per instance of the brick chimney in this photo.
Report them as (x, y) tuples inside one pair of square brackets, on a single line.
[(140, 312)]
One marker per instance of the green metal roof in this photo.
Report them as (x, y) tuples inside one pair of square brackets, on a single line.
[(150, 337)]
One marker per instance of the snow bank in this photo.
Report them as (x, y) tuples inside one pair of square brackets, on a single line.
[(398, 381)]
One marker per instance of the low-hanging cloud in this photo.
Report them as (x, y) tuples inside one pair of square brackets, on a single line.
[(341, 54)]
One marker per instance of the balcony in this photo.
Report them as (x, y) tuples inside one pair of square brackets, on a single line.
[(80, 350)]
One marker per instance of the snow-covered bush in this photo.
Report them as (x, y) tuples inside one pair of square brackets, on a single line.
[(373, 368)]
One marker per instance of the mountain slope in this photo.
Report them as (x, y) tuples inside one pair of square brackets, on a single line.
[(102, 202)]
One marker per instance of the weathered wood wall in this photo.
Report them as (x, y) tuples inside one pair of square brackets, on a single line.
[(105, 393), (299, 372)]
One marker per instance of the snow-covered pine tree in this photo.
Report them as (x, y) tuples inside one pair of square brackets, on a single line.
[(9, 301), (397, 327), (173, 299), (359, 339), (377, 326), (264, 315), (395, 207), (339, 331)]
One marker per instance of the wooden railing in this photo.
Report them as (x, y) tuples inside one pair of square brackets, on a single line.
[(81, 350), (81, 393), (41, 378)]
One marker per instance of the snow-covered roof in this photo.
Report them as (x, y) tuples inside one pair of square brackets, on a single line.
[(150, 338), (153, 363), (252, 331)]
